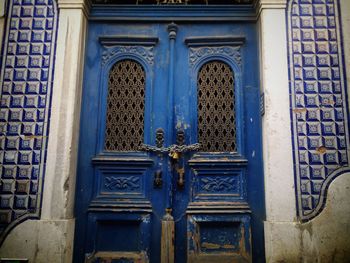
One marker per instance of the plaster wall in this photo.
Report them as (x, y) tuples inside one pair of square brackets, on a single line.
[(325, 238), (278, 162), (2, 27)]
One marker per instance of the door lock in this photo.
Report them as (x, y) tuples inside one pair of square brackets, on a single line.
[(175, 152)]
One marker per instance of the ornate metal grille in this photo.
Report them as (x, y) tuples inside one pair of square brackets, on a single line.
[(125, 107), (216, 108)]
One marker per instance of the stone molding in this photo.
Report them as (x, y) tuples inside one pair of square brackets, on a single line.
[(64, 127), (270, 4), (84, 5)]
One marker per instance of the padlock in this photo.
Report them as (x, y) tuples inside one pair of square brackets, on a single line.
[(174, 155)]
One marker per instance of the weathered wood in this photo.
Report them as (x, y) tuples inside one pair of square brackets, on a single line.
[(222, 258), (108, 257), (167, 239)]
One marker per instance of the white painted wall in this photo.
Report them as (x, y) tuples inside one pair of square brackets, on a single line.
[(278, 161), (323, 239)]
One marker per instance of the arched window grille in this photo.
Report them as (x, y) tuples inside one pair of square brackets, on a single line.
[(125, 106), (216, 107)]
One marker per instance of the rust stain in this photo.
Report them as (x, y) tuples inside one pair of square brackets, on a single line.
[(210, 245), (34, 136), (109, 257), (328, 102), (299, 110), (227, 246), (195, 238), (243, 250), (321, 149), (180, 170)]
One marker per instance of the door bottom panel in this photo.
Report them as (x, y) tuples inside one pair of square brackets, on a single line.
[(219, 238)]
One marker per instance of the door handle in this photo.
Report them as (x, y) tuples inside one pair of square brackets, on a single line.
[(181, 178), (158, 181)]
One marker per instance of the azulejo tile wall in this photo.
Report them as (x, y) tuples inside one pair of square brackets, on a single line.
[(318, 101), (26, 86)]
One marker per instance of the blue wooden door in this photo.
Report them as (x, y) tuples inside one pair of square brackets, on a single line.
[(170, 153)]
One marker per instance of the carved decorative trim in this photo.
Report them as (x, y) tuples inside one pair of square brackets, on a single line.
[(128, 40), (202, 52), (318, 101), (215, 41), (83, 5), (122, 183), (144, 52), (215, 184)]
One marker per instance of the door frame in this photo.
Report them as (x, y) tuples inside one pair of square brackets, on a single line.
[(210, 14)]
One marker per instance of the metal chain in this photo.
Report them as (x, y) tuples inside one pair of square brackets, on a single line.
[(151, 148), (184, 148), (171, 149)]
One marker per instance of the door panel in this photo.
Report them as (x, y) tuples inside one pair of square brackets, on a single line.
[(150, 91)]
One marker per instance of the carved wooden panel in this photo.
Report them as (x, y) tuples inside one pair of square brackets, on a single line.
[(218, 184), (220, 238), (119, 237)]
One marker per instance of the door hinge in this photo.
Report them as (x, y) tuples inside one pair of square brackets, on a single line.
[(262, 104)]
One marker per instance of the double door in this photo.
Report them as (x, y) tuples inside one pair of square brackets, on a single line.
[(169, 162)]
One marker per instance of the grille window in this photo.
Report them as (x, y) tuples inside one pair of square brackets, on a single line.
[(125, 106), (216, 108)]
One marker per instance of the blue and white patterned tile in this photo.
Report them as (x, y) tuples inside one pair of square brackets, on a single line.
[(318, 96), (26, 77)]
